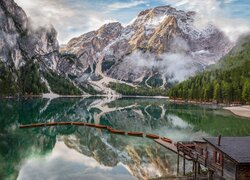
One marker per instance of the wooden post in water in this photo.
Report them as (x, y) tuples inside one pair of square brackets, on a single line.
[(199, 168), (184, 164), (178, 161), (210, 175), (195, 170)]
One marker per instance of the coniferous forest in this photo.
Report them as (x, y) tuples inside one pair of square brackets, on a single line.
[(27, 81), (226, 82)]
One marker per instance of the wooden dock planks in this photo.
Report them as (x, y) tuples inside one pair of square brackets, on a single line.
[(171, 147)]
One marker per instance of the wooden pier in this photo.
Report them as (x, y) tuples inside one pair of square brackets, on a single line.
[(226, 158), (170, 146)]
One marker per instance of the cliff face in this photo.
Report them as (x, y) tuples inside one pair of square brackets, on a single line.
[(118, 52), (20, 43), (28, 56)]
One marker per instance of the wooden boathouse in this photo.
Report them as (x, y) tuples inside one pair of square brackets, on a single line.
[(223, 157)]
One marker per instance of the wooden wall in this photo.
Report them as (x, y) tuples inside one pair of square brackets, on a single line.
[(243, 172), (229, 167)]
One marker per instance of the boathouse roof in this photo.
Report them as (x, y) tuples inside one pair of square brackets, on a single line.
[(237, 148)]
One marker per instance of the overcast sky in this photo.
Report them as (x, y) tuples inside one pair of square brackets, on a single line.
[(72, 18)]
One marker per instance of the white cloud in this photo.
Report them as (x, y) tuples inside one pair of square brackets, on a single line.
[(65, 163), (69, 20), (211, 11), (169, 63), (123, 5)]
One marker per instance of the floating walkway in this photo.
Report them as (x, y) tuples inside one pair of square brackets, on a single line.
[(166, 142)]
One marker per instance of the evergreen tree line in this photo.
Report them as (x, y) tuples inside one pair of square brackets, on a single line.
[(226, 86), (227, 81), (24, 81), (27, 81), (60, 85)]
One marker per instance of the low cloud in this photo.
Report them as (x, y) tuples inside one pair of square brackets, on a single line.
[(175, 66), (69, 19)]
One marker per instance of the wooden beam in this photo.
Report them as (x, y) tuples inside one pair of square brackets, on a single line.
[(184, 165)]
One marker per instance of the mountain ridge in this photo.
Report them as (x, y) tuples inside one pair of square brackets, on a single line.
[(142, 54), (154, 33)]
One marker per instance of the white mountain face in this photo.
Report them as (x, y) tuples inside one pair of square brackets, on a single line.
[(161, 44)]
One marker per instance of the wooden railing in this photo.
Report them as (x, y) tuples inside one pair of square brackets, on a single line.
[(185, 148)]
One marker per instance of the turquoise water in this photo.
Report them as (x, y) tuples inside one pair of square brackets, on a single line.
[(69, 152)]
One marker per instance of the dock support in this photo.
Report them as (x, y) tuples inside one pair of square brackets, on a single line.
[(184, 165), (195, 170), (199, 168), (210, 175), (178, 162)]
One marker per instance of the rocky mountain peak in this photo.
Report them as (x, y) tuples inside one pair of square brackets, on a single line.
[(114, 52), (110, 29), (136, 54), (14, 13)]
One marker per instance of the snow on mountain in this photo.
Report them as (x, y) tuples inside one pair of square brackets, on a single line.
[(145, 48)]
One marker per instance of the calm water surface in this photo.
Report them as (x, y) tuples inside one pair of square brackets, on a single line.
[(69, 152)]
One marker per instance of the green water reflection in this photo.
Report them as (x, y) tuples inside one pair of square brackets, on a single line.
[(23, 152)]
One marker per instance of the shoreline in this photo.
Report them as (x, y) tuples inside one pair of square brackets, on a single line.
[(53, 96), (242, 111), (236, 109)]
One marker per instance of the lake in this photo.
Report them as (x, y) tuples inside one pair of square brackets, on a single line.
[(70, 152)]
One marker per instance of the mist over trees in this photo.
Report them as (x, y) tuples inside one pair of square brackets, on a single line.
[(226, 82)]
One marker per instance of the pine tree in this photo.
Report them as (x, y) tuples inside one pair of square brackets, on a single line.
[(246, 91)]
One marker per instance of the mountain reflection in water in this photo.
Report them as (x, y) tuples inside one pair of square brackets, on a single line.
[(70, 152)]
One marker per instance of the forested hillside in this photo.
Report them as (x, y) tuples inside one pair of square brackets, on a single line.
[(27, 81), (227, 82), (21, 82)]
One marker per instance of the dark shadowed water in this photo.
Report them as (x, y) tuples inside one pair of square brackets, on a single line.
[(69, 152)]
